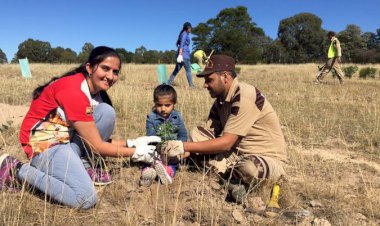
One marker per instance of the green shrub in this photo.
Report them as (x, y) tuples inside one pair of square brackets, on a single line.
[(350, 70), (367, 72)]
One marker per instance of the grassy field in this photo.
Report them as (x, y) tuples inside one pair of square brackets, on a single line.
[(332, 133)]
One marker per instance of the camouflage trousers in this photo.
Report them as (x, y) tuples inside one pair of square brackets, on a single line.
[(248, 168), (332, 63)]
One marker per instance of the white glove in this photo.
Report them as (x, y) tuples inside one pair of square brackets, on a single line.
[(172, 148), (144, 153), (179, 59), (145, 140)]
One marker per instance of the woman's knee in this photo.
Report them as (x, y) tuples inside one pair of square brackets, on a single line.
[(105, 118), (87, 199), (104, 110)]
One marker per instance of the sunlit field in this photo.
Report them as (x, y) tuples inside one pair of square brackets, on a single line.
[(332, 133)]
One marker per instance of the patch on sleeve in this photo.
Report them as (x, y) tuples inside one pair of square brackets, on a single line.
[(214, 112), (89, 110), (260, 99), (235, 102)]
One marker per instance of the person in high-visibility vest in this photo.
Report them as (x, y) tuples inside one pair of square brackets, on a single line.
[(200, 55), (333, 62)]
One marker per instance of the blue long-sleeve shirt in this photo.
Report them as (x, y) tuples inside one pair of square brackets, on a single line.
[(185, 45), (154, 121)]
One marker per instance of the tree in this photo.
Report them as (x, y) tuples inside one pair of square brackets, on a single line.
[(126, 56), (138, 58), (85, 53), (152, 57), (36, 51), (275, 52), (370, 39), (302, 36), (203, 37), (352, 43), (3, 57), (61, 55), (68, 56), (168, 57), (233, 33), (55, 54)]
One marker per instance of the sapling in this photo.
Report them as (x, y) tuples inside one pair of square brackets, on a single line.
[(166, 131)]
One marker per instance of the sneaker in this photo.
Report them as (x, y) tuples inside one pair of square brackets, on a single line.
[(8, 170), (236, 191), (148, 174), (99, 176), (165, 173)]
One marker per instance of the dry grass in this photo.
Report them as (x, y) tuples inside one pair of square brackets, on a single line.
[(332, 133)]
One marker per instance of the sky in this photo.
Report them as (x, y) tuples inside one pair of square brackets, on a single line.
[(155, 24)]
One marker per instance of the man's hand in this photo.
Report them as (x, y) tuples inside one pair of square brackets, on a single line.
[(172, 148), (179, 59), (145, 140), (144, 153)]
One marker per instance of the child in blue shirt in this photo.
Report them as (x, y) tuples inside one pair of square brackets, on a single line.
[(168, 124)]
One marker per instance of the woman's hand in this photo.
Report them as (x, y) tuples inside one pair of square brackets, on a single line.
[(144, 153), (179, 59)]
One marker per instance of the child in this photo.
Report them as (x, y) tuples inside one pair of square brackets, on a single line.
[(168, 124)]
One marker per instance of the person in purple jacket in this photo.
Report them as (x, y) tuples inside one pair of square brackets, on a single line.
[(183, 54)]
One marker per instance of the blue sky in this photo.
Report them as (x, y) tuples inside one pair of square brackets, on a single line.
[(155, 24)]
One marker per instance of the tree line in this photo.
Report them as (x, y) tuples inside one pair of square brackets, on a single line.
[(300, 39)]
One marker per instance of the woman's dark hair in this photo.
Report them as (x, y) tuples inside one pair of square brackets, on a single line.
[(186, 26), (163, 90), (96, 56)]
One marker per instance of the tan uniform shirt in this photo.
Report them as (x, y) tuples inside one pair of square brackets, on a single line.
[(246, 112)]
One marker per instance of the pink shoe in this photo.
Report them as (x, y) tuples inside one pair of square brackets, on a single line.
[(8, 165), (148, 174), (165, 173), (99, 176)]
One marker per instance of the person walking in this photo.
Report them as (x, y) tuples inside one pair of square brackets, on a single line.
[(183, 54), (70, 118), (334, 55)]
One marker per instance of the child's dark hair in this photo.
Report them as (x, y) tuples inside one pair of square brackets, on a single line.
[(96, 56), (163, 90)]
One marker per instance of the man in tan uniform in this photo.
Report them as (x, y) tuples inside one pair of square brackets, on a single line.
[(333, 62), (243, 131)]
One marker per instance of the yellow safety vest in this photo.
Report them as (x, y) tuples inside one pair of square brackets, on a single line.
[(199, 53), (332, 50)]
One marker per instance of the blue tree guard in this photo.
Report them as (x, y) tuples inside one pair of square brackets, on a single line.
[(25, 70), (195, 68), (161, 74)]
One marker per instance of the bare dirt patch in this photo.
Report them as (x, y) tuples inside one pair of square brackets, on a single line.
[(10, 114)]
